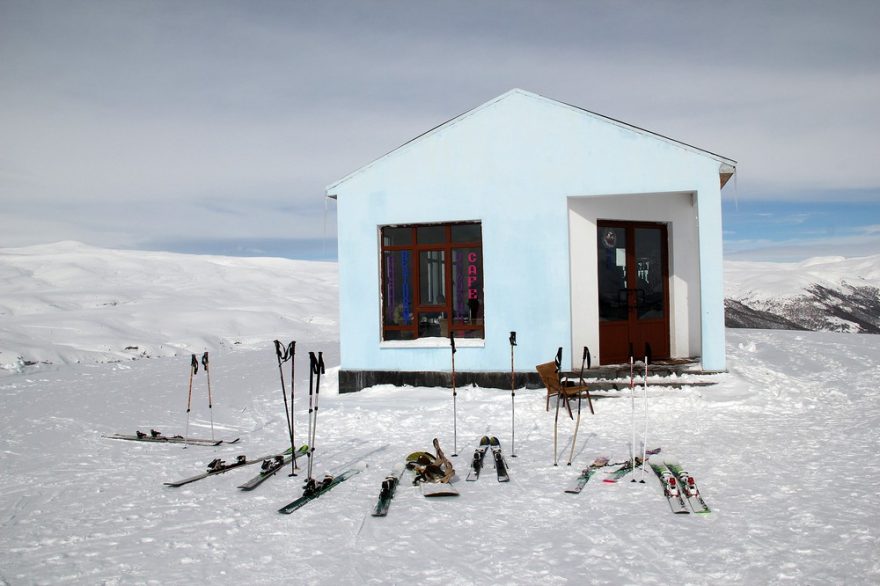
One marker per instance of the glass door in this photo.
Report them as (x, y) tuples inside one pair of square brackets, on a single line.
[(632, 290)]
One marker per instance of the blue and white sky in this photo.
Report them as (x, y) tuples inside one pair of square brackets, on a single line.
[(214, 126)]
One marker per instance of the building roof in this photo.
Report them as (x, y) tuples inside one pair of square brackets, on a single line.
[(726, 169)]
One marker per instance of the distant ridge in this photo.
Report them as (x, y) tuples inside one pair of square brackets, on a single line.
[(833, 294)]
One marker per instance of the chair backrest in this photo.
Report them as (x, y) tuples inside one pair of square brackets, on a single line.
[(549, 376)]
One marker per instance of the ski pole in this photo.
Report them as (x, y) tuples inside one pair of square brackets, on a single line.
[(318, 374), (291, 351), (577, 425), (645, 437), (454, 393), (284, 356), (558, 396), (632, 419), (317, 369), (512, 396), (194, 368), (210, 401), (312, 367)]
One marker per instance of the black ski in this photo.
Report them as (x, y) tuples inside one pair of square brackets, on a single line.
[(218, 466), (477, 462), (386, 493), (157, 437), (314, 488), (272, 465), (500, 464)]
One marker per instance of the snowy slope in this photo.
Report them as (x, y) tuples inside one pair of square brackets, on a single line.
[(68, 302), (783, 447), (827, 293)]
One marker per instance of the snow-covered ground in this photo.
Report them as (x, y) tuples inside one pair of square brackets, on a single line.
[(784, 447)]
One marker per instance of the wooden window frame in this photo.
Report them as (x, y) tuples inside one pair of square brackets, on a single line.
[(416, 248)]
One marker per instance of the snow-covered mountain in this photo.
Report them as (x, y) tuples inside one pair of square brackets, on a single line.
[(68, 302), (833, 294)]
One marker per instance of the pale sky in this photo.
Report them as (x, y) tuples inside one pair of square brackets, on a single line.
[(215, 126)]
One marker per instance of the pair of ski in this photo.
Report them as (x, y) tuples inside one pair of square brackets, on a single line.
[(679, 486), (158, 437), (602, 461), (315, 488), (271, 464), (488, 443), (614, 476)]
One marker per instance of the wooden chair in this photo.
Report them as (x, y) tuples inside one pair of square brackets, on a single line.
[(550, 377)]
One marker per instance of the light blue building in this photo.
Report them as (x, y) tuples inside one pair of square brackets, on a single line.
[(529, 215)]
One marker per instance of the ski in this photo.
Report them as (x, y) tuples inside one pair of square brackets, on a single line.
[(586, 474), (272, 465), (688, 487), (627, 467), (386, 493), (622, 471), (500, 464), (670, 488), (477, 462), (314, 488), (157, 437), (218, 466)]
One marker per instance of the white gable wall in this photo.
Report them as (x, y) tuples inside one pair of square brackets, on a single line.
[(512, 164)]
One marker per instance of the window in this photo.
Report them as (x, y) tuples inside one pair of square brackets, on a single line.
[(432, 281)]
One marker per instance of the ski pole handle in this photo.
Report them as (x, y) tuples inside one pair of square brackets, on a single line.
[(194, 364), (513, 338), (452, 341), (205, 361), (587, 356)]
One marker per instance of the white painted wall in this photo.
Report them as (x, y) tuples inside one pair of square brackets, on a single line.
[(513, 163)]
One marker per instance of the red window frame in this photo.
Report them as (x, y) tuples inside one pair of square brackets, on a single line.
[(472, 327)]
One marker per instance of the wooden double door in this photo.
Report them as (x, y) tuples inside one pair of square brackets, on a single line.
[(633, 291)]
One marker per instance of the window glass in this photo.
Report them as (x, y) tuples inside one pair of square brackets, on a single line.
[(433, 324), (396, 236), (432, 277), (397, 308), (649, 272), (467, 286), (431, 234), (467, 233), (613, 300), (399, 335)]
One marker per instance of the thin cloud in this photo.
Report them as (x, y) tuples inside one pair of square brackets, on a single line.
[(241, 114)]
